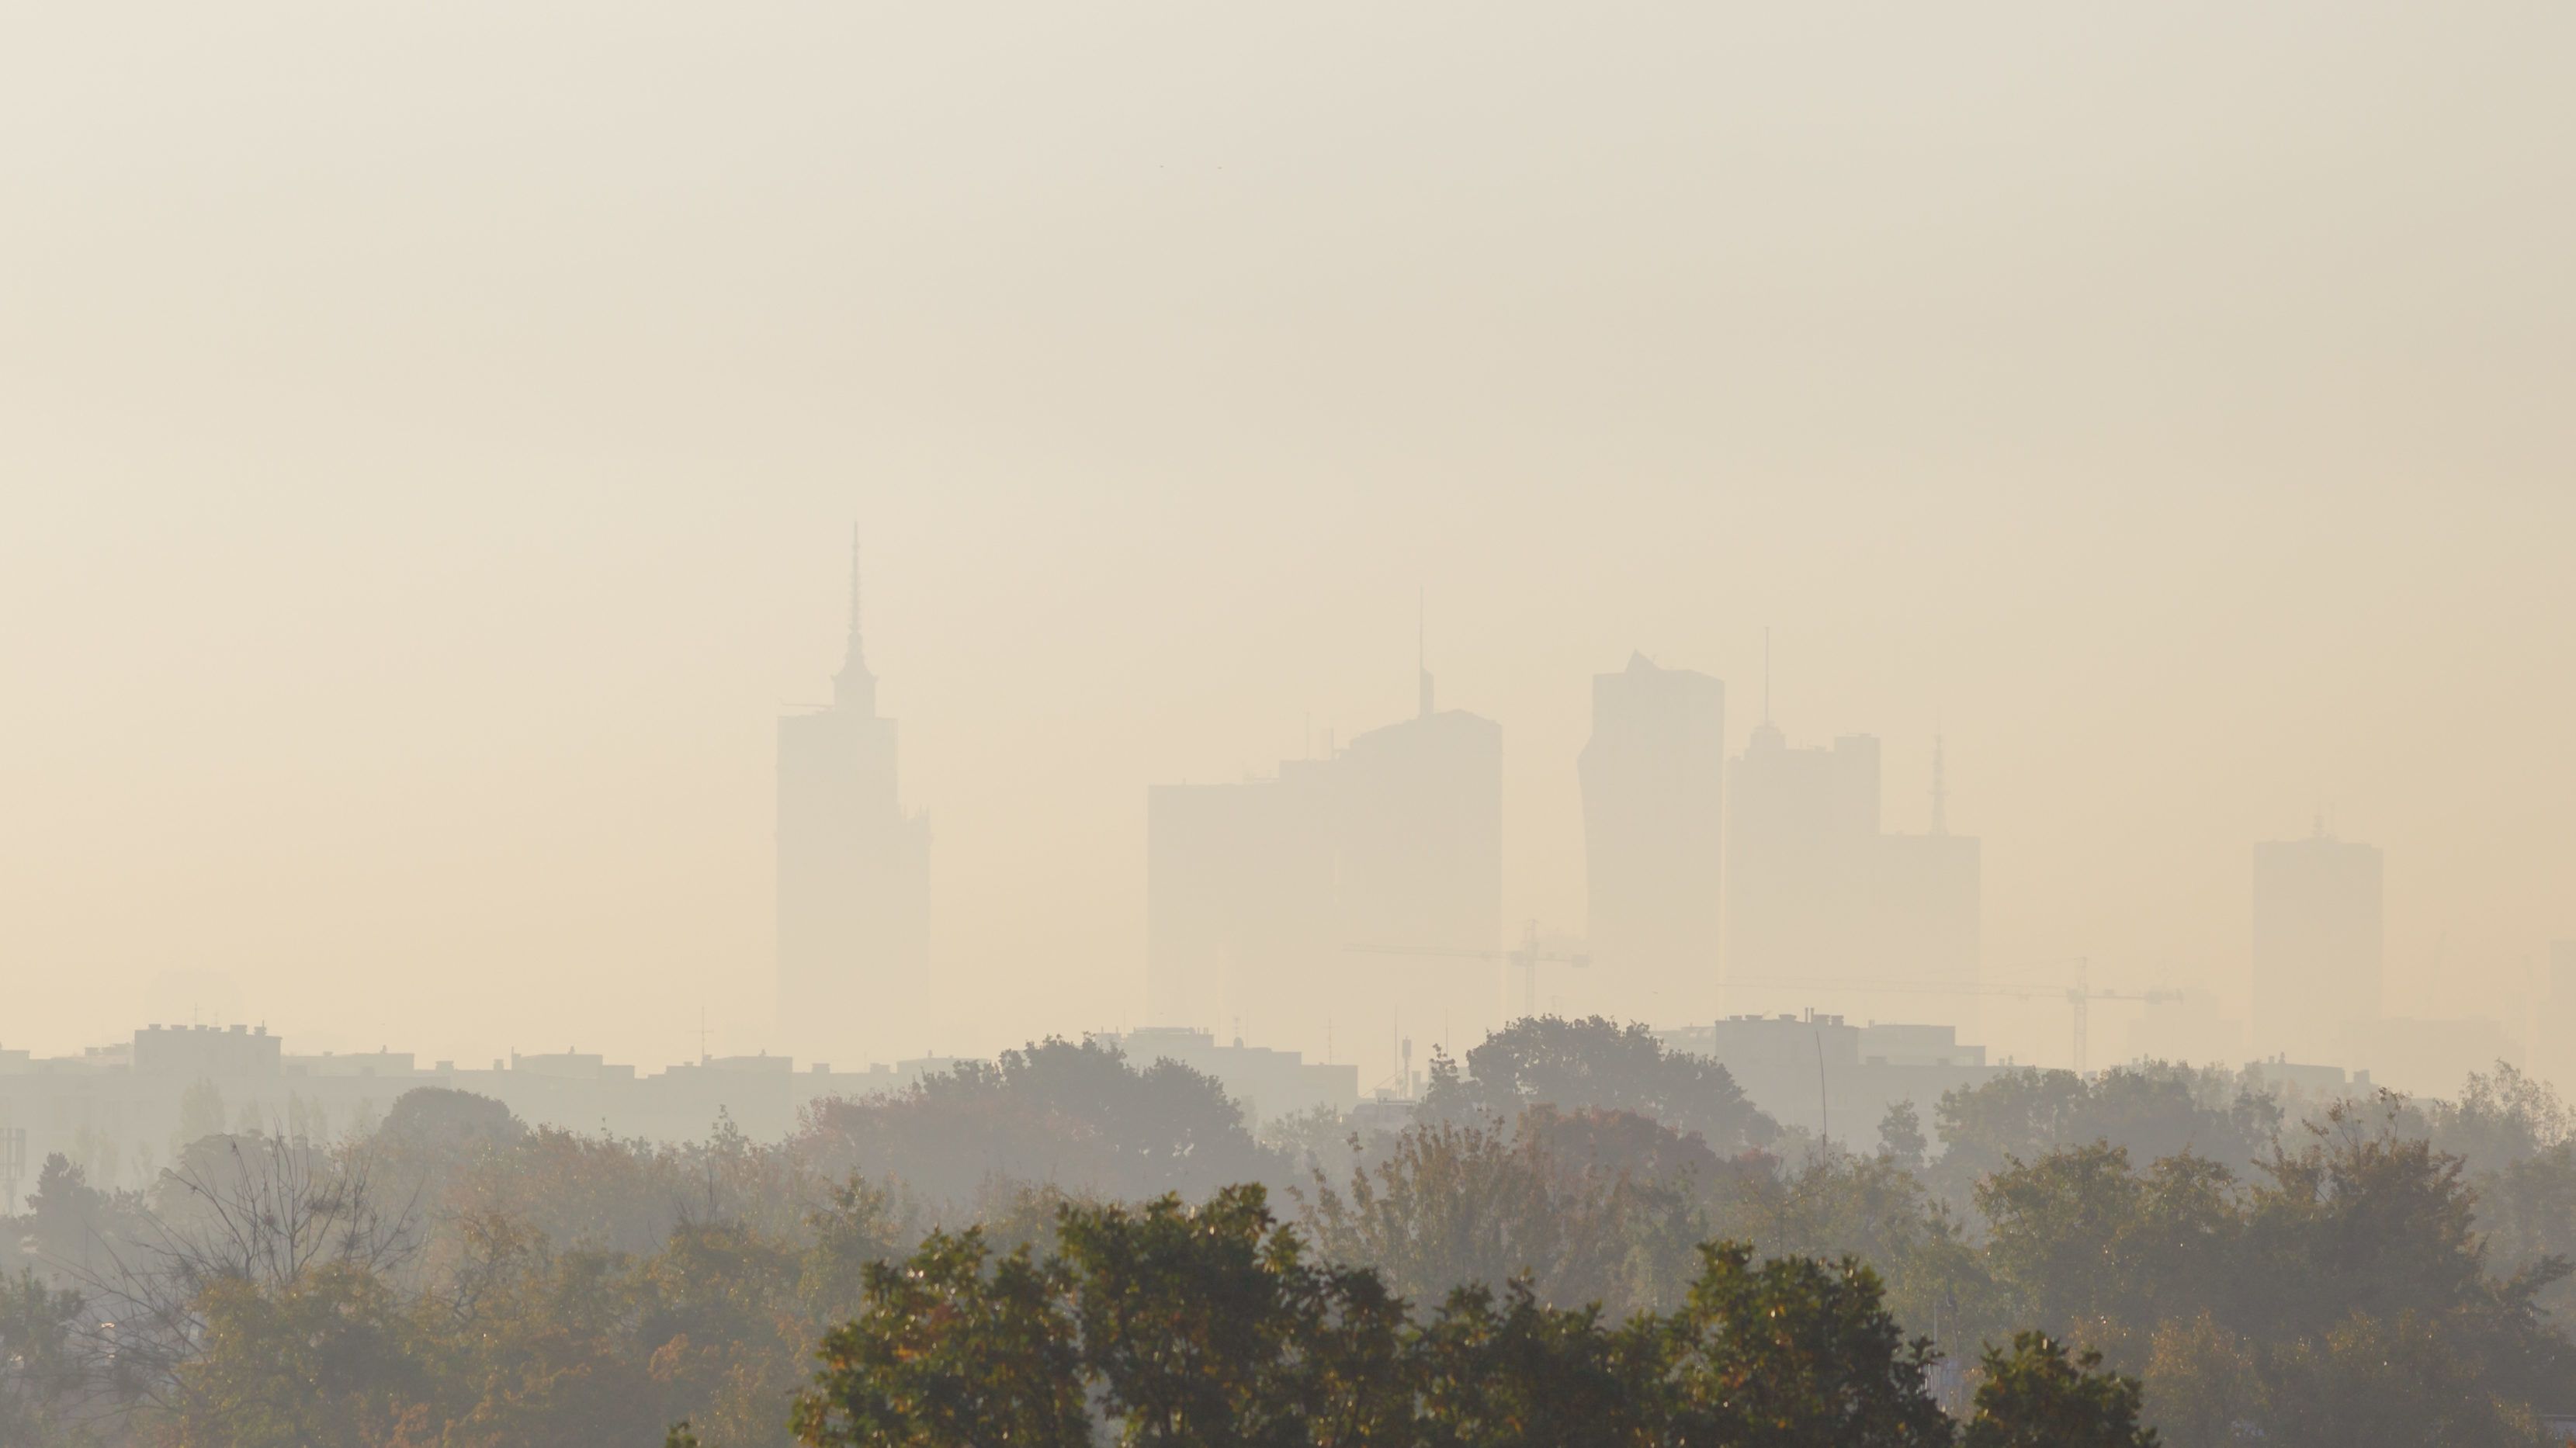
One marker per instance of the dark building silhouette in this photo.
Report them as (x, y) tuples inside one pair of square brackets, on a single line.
[(1653, 776), (1816, 890), (1256, 890), (853, 873), (2318, 947)]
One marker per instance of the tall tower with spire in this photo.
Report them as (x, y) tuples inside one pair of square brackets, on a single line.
[(853, 875)]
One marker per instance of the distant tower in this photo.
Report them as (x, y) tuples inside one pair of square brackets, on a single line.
[(2318, 944), (1254, 890), (853, 873), (1653, 776), (855, 686), (1817, 888)]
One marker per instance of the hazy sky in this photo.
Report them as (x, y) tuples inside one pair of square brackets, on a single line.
[(430, 435)]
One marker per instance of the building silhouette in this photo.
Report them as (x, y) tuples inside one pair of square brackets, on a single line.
[(1653, 776), (1929, 928), (853, 872), (2318, 946), (1256, 890), (1817, 890), (1240, 902), (115, 1109)]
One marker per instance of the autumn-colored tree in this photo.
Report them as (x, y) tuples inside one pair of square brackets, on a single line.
[(954, 1350)]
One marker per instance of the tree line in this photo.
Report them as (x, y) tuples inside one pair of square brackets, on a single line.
[(1579, 1238)]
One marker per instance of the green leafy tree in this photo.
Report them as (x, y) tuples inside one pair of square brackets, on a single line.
[(2391, 1382), (2084, 1238), (2035, 1396), (2204, 1386), (2151, 1110), (1208, 1325), (1078, 1115), (1510, 1372), (858, 1225), (1793, 1353), (1598, 1065), (1900, 1137), (46, 1380)]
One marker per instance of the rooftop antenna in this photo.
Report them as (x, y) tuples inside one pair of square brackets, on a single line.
[(854, 686)]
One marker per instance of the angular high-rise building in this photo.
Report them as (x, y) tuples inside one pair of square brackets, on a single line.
[(1802, 844), (1256, 892), (2317, 945), (1653, 776), (1239, 902), (853, 875), (1816, 890)]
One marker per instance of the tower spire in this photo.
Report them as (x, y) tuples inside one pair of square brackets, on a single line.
[(854, 589), (854, 686)]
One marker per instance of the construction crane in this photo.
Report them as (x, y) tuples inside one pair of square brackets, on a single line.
[(2079, 997), (1524, 958)]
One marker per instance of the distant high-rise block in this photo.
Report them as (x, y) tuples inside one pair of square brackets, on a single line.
[(1816, 891), (1239, 902), (1653, 776), (853, 875), (2317, 945), (1802, 840), (1255, 892)]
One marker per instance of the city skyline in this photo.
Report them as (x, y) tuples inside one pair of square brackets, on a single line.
[(1261, 890), (934, 1029), (419, 521)]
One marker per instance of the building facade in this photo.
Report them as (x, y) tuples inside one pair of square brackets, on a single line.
[(2317, 945), (1257, 893), (1818, 891), (1653, 776)]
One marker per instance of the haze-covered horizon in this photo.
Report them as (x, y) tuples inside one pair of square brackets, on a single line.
[(434, 435)]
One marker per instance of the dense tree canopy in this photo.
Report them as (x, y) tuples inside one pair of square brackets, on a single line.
[(1079, 1116), (1596, 1065), (1065, 1248), (1184, 1327), (2151, 1110)]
